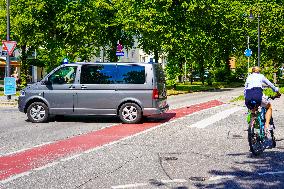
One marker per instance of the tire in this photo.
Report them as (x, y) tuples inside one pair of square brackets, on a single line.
[(37, 112), (130, 113), (255, 143), (273, 139)]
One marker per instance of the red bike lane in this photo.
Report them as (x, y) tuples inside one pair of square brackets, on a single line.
[(36, 157)]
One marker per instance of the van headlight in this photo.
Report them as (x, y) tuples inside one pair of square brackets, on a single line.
[(23, 93)]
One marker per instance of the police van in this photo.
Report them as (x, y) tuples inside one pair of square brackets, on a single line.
[(127, 90)]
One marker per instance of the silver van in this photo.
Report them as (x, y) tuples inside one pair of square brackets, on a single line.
[(128, 90)]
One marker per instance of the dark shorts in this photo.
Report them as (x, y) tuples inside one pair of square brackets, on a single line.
[(253, 97)]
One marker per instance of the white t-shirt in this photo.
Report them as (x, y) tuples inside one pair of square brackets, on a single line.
[(256, 80)]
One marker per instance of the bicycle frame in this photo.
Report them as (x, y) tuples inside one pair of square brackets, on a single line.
[(259, 116)]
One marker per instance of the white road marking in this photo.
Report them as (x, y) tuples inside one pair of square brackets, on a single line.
[(174, 181), (216, 117), (47, 143), (46, 166), (15, 177), (135, 185), (71, 157), (86, 152), (129, 186), (271, 173), (95, 149), (221, 177), (25, 149)]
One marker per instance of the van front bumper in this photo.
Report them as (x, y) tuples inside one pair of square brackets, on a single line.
[(155, 111), (21, 104)]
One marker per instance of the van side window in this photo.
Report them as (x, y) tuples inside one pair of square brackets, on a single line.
[(65, 75), (98, 74), (131, 74)]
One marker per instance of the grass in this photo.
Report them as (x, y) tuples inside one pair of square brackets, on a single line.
[(2, 93), (183, 88), (239, 98)]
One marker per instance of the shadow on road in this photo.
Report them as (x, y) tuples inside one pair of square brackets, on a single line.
[(110, 119), (267, 171)]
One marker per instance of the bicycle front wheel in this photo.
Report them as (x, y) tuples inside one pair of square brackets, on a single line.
[(254, 139)]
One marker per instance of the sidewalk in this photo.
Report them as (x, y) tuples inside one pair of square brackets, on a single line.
[(5, 102)]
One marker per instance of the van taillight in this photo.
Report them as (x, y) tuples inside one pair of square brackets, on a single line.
[(155, 94)]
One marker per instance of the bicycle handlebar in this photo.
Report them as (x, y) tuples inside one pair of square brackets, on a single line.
[(275, 96)]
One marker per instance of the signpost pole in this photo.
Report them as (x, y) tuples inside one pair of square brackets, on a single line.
[(248, 56), (8, 39)]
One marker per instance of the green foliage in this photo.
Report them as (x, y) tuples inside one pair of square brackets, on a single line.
[(241, 97), (201, 34), (267, 92), (269, 69)]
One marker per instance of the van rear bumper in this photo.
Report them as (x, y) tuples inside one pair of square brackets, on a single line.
[(154, 111)]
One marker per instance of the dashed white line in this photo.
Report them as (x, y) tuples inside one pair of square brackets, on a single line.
[(129, 186), (221, 177), (15, 177), (216, 117), (136, 185)]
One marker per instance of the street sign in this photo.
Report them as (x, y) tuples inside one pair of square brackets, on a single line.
[(10, 46), (119, 53), (119, 47), (9, 86), (65, 61), (248, 52)]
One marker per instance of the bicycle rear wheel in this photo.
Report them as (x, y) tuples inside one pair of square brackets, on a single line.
[(254, 139)]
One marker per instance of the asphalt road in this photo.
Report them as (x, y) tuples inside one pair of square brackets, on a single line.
[(206, 148)]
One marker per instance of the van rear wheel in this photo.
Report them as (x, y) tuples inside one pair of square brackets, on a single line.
[(37, 112), (130, 113)]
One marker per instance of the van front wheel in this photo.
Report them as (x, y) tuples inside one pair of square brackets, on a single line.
[(37, 112), (130, 113)]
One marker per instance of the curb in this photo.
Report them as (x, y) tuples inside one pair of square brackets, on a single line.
[(8, 103)]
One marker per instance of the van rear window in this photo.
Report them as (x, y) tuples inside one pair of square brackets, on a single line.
[(130, 74)]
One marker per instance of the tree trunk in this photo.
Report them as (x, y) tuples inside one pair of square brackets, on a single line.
[(156, 56), (24, 67), (112, 53)]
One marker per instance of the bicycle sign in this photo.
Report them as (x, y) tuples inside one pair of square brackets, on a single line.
[(9, 86), (248, 52)]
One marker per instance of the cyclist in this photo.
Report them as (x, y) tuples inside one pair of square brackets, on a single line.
[(253, 92)]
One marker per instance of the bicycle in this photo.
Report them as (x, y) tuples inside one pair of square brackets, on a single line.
[(258, 142)]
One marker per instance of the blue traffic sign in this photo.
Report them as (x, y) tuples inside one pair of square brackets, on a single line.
[(65, 61), (248, 52), (119, 53), (9, 86)]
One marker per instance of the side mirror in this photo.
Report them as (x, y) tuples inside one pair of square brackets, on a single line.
[(46, 82)]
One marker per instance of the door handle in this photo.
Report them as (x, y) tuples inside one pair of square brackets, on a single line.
[(72, 87), (83, 87)]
